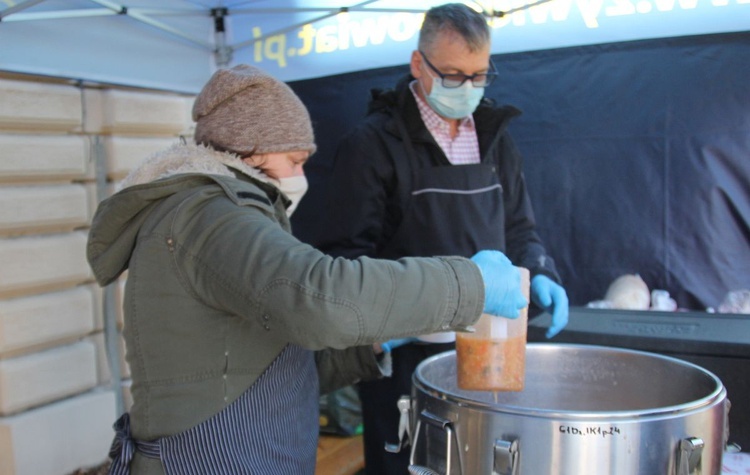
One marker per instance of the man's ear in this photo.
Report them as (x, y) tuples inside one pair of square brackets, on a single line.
[(415, 64)]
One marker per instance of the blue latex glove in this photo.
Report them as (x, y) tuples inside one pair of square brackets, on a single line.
[(390, 345), (550, 296), (502, 284)]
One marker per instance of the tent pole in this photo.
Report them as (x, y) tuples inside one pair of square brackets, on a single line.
[(111, 334), (18, 8), (134, 14), (223, 52)]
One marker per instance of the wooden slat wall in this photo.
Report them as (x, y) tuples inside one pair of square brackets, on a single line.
[(57, 400)]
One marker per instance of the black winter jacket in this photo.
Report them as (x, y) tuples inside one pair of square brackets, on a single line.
[(370, 184)]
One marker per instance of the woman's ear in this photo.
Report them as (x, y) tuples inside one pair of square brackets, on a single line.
[(256, 160)]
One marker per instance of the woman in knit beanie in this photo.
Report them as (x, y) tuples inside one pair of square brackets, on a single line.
[(232, 326)]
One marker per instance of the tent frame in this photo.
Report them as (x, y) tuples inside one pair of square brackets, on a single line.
[(222, 51)]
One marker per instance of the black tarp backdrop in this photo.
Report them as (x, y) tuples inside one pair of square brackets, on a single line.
[(637, 157)]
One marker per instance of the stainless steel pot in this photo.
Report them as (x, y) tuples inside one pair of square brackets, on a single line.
[(585, 410)]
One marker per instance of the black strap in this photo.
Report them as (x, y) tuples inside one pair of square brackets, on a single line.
[(124, 447), (405, 168)]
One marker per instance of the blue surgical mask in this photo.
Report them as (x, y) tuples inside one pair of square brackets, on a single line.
[(456, 102)]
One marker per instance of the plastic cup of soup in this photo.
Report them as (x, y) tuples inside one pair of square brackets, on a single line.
[(493, 358)]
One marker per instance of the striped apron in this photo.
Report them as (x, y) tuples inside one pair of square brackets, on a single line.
[(272, 428)]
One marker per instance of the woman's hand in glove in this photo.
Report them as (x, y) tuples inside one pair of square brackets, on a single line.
[(502, 284), (390, 345), (550, 296)]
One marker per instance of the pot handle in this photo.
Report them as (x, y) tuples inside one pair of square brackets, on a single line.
[(404, 427), (450, 434), (689, 455), (506, 457)]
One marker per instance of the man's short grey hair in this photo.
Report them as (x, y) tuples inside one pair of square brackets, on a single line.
[(458, 18)]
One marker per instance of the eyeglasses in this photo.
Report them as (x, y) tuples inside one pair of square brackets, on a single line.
[(456, 80)]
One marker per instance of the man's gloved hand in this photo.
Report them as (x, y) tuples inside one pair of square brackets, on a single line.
[(502, 284), (393, 344), (550, 296)]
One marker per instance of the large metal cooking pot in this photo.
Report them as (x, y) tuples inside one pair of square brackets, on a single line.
[(585, 410)]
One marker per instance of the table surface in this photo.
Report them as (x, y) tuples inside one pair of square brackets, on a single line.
[(340, 455)]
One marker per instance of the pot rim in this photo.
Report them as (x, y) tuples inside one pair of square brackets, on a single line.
[(718, 395)]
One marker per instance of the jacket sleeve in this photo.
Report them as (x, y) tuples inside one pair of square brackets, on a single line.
[(339, 368), (357, 201), (524, 247), (243, 262)]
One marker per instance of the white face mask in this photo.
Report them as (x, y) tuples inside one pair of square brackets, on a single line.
[(454, 103), (294, 187)]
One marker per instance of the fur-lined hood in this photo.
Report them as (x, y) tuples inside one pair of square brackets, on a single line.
[(119, 218), (189, 158)]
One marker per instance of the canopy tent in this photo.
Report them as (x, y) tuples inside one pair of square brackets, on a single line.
[(176, 44)]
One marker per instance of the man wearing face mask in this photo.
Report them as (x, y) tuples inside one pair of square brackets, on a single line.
[(433, 171)]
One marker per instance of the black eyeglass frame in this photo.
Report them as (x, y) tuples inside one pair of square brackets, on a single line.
[(489, 76)]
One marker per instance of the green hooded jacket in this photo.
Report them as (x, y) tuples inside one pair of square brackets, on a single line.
[(217, 286)]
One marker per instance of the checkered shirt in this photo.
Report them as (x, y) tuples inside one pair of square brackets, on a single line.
[(462, 149)]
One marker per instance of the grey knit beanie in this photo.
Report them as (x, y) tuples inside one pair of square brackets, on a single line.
[(245, 110)]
